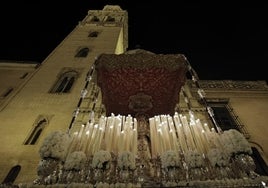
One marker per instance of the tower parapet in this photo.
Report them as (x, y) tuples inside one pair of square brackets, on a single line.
[(109, 16)]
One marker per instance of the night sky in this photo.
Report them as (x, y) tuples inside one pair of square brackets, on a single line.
[(221, 40)]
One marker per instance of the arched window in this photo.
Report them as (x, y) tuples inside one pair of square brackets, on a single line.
[(65, 82), (36, 132), (82, 52), (7, 92), (12, 175), (24, 75), (110, 19), (93, 34), (95, 19)]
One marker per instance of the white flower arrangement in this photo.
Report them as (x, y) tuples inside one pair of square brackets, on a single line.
[(170, 159), (55, 145), (214, 140), (235, 142), (45, 167), (75, 161), (101, 159), (194, 159), (217, 157), (126, 160), (228, 145)]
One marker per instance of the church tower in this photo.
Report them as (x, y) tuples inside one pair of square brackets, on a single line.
[(51, 92)]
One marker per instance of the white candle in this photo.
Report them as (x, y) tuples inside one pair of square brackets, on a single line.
[(90, 132), (200, 130), (118, 133), (93, 139), (79, 137), (206, 128), (188, 136), (135, 144), (123, 121), (107, 134), (174, 142), (205, 141), (96, 140), (165, 133), (135, 124), (100, 145), (101, 130), (125, 139), (152, 136), (196, 137), (129, 121), (72, 143), (121, 142), (179, 133), (84, 147), (161, 143), (87, 127), (182, 135), (110, 138)]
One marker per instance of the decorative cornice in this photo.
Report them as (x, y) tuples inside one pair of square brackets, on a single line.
[(115, 8), (232, 85), (144, 60)]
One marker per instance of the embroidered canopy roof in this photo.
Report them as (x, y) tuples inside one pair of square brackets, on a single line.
[(140, 82)]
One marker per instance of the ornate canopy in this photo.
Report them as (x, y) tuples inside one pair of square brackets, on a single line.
[(140, 82)]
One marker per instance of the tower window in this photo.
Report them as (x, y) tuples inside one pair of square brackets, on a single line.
[(36, 132), (65, 82), (95, 19), (82, 52), (110, 19), (7, 92), (93, 34), (12, 175), (24, 75)]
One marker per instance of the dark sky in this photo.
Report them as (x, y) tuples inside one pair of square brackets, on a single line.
[(222, 40)]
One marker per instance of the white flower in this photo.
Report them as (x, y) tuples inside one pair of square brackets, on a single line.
[(235, 142), (45, 167), (102, 185), (170, 159), (55, 145), (101, 159), (126, 160), (217, 157), (194, 159), (119, 185), (75, 161)]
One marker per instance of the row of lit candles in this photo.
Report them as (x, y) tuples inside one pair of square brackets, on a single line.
[(114, 134), (178, 133)]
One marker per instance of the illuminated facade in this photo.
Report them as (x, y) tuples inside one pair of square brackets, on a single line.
[(69, 90)]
